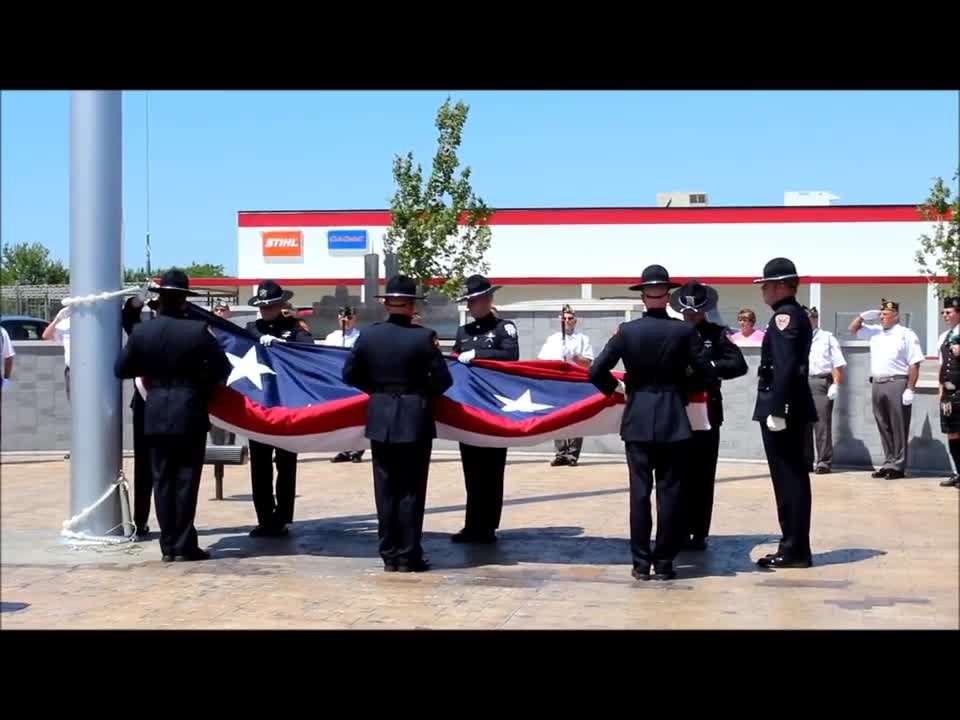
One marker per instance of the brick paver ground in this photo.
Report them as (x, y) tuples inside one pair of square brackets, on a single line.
[(885, 553)]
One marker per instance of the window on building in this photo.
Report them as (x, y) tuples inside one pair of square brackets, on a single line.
[(698, 199)]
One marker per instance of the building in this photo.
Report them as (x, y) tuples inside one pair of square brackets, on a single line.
[(850, 256), (682, 199), (809, 197)]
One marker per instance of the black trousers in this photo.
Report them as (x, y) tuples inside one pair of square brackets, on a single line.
[(665, 463), (483, 469), (272, 513), (699, 481), (791, 486), (400, 486), (177, 463), (142, 471)]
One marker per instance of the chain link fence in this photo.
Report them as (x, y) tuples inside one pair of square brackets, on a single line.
[(39, 301)]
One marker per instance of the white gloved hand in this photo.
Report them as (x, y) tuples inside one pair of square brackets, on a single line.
[(833, 391), (870, 315), (267, 340), (621, 388), (776, 424), (467, 357), (908, 397)]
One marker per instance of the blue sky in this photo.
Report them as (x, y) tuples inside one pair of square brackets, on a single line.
[(214, 153)]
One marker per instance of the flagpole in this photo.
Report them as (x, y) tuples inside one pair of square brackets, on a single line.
[(96, 209)]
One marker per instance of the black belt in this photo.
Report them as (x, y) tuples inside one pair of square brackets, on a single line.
[(396, 390), (887, 378), (822, 376)]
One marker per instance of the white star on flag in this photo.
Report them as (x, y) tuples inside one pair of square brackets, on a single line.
[(248, 367), (521, 404)]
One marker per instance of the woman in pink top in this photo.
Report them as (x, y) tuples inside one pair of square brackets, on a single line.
[(747, 334)]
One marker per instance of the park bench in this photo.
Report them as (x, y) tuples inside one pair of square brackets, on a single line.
[(222, 455)]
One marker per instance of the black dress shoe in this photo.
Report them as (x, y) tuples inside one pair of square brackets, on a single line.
[(389, 567), (193, 556), (822, 470), (572, 462), (641, 572), (952, 481), (143, 533), (341, 457), (781, 561), (415, 566), (557, 461), (895, 475), (356, 457), (269, 531), (881, 473), (168, 558), (480, 537), (664, 572)]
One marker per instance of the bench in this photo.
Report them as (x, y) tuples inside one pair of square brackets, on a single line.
[(220, 455)]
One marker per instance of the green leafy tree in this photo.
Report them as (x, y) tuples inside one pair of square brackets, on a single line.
[(425, 231), (939, 254), (30, 264), (194, 270)]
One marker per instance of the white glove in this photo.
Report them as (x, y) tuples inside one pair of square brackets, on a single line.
[(266, 340), (870, 315), (833, 391), (908, 397), (776, 424), (467, 357), (621, 388)]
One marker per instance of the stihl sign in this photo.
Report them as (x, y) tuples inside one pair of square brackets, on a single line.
[(282, 243)]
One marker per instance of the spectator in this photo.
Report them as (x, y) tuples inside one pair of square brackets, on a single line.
[(59, 330), (747, 333), (6, 349)]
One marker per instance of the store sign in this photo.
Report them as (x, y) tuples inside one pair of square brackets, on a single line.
[(282, 243), (347, 242)]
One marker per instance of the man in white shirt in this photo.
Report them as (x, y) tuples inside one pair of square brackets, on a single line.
[(59, 330), (8, 353), (895, 357), (570, 346), (345, 337), (826, 365)]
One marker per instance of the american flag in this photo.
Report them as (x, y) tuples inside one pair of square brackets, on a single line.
[(292, 396)]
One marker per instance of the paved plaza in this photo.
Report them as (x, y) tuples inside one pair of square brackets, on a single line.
[(885, 554)]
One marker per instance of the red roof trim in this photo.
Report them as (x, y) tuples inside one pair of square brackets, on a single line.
[(727, 280), (603, 216)]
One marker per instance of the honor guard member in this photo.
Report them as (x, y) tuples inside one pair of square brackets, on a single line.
[(785, 410), (694, 300), (131, 316), (661, 356), (345, 337), (401, 384), (895, 357), (488, 337), (567, 345), (273, 516), (180, 361), (826, 373), (949, 345)]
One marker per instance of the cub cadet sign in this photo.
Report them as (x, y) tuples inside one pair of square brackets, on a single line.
[(283, 243)]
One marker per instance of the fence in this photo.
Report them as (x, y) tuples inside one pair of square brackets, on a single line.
[(39, 301)]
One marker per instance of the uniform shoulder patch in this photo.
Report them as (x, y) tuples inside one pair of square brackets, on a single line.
[(510, 329), (782, 321)]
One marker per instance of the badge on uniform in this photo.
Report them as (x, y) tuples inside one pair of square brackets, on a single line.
[(708, 344), (782, 321), (286, 334), (511, 329)]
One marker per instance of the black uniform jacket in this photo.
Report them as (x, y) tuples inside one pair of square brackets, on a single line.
[(180, 361), (784, 390), (662, 357), (728, 363), (399, 365), (285, 328), (491, 337)]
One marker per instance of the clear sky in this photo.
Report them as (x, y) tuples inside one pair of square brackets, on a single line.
[(214, 153)]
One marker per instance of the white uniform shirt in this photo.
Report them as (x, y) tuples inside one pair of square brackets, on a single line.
[(336, 338), (825, 353), (6, 345), (556, 348), (892, 351), (61, 333)]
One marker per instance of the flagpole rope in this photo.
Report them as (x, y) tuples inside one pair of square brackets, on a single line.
[(80, 538), (98, 297)]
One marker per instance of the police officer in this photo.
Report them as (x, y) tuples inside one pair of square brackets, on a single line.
[(895, 357), (179, 360), (131, 315), (488, 337), (661, 356), (400, 426), (785, 410), (345, 337), (273, 516), (694, 300), (949, 344)]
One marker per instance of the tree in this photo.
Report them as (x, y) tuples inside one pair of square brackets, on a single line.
[(425, 231), (940, 254), (30, 264), (194, 270)]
